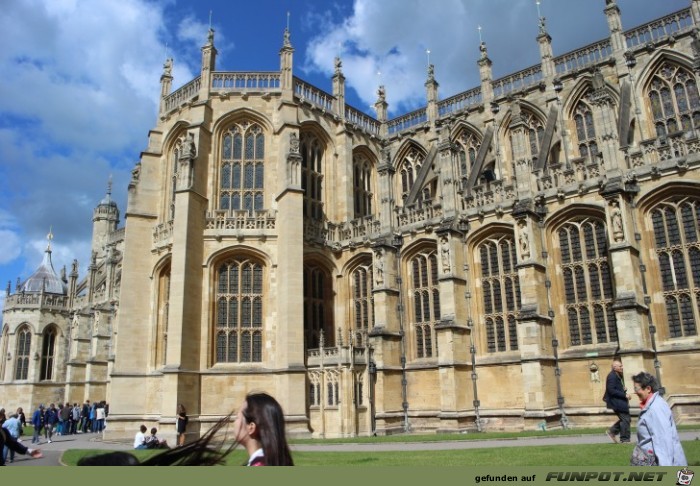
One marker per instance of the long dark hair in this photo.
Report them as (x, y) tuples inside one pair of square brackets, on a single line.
[(264, 411)]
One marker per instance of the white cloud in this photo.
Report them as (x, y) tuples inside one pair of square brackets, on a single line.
[(10, 246)]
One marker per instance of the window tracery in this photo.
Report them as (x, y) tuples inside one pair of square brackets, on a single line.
[(48, 349), (242, 171), (673, 99), (500, 293), (362, 186), (677, 244), (24, 345), (318, 308), (239, 311), (312, 175), (468, 149), (362, 302), (425, 295), (587, 282), (585, 128), (409, 169)]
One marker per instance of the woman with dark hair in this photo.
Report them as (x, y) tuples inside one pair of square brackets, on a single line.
[(657, 438), (181, 425), (259, 427)]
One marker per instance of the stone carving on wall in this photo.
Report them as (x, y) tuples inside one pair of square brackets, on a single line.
[(445, 254), (378, 267), (98, 316), (616, 219), (188, 152), (524, 240)]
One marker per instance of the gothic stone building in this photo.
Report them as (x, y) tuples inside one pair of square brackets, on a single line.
[(473, 265)]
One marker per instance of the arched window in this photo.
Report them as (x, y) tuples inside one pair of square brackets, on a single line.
[(48, 349), (239, 311), (312, 175), (362, 302), (162, 316), (587, 282), (677, 241), (500, 292), (424, 292), (242, 169), (318, 307), (534, 131), (362, 186), (673, 99), (409, 168), (585, 128), (468, 149), (24, 345)]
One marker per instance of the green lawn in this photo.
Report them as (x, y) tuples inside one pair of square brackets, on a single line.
[(561, 455)]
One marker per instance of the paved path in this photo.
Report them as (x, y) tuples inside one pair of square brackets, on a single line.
[(52, 452)]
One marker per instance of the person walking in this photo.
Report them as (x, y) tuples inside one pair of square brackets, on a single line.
[(14, 428), (657, 437), (617, 399), (50, 421), (6, 440), (259, 427), (38, 424)]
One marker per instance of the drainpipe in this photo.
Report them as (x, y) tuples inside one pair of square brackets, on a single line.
[(397, 242)]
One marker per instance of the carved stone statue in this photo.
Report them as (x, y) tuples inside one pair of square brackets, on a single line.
[(98, 316), (168, 67), (293, 143), (445, 254), (524, 241), (188, 152), (75, 323), (378, 267), (616, 219), (338, 65)]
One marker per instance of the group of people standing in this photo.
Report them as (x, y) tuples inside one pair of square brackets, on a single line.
[(658, 442), (67, 419)]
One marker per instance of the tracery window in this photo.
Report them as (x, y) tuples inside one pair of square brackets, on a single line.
[(318, 308), (362, 186), (162, 316), (673, 97), (362, 302), (425, 294), (48, 349), (534, 132), (468, 149), (24, 345), (242, 170), (315, 378), (585, 129), (500, 292), (239, 311), (312, 175), (409, 168), (332, 388), (587, 282), (677, 241)]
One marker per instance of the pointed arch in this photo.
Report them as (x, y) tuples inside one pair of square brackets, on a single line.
[(409, 159), (314, 144), (469, 140), (364, 163), (319, 301), (49, 352), (360, 285), (23, 347)]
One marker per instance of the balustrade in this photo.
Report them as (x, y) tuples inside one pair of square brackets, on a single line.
[(659, 28), (234, 81), (182, 95)]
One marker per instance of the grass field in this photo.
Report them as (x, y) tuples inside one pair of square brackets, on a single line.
[(561, 455)]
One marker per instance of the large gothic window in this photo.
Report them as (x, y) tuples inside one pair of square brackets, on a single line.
[(362, 186), (409, 168), (425, 294), (677, 239), (318, 307), (585, 129), (24, 345), (500, 292), (312, 175), (242, 168), (162, 316), (363, 302), (673, 97), (534, 131), (468, 149), (48, 350), (239, 311), (587, 280)]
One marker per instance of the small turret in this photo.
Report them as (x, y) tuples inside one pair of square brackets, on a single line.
[(105, 219)]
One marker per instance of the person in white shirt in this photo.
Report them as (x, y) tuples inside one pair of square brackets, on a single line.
[(140, 438)]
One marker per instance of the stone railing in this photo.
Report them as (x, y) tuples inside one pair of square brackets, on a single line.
[(581, 169), (336, 355), (182, 95), (659, 28), (364, 122), (233, 81), (328, 232), (241, 220), (419, 213), (460, 101), (407, 121), (488, 194), (313, 95), (163, 233), (656, 150), (517, 81), (36, 301), (583, 57)]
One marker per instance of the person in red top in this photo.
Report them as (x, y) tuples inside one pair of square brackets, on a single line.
[(259, 427)]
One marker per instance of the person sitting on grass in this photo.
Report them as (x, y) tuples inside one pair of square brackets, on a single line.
[(140, 438), (153, 442)]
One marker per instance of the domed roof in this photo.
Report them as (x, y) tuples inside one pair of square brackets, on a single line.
[(45, 278)]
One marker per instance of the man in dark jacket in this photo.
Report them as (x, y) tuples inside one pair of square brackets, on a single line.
[(617, 399)]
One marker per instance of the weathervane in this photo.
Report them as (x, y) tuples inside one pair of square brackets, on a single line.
[(542, 19), (478, 27), (49, 237)]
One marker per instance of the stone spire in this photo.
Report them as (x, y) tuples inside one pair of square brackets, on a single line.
[(286, 64), (339, 88), (166, 82), (431, 88), (208, 64), (545, 42), (485, 72), (617, 39)]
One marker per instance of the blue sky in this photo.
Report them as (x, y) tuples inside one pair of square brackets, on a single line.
[(80, 81)]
